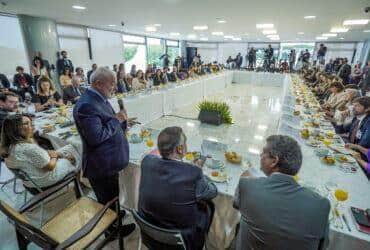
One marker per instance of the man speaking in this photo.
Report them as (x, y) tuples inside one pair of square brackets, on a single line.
[(102, 131)]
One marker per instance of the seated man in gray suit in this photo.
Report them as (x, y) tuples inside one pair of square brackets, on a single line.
[(276, 212), (174, 194)]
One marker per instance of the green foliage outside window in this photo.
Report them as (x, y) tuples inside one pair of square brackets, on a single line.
[(154, 53), (129, 53)]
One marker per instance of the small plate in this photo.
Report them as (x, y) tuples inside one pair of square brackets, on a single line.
[(222, 177)]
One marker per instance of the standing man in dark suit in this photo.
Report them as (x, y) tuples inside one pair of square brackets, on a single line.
[(345, 71), (276, 212), (73, 92), (64, 63), (102, 131), (89, 73), (174, 194), (359, 129)]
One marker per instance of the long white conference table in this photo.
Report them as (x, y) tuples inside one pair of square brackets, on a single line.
[(149, 107)]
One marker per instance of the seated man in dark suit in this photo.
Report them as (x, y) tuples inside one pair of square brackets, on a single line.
[(359, 129), (73, 92), (174, 194), (276, 212), (23, 82), (4, 82)]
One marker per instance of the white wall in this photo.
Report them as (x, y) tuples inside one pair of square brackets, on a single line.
[(107, 47)]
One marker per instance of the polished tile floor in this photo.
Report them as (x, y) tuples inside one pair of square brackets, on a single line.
[(255, 110)]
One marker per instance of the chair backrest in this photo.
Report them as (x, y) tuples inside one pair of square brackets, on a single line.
[(24, 177), (161, 235), (25, 228)]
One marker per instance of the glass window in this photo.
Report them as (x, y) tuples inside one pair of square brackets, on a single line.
[(69, 30), (133, 39), (134, 54), (173, 52), (172, 43), (106, 46), (155, 51), (78, 51), (12, 49), (286, 47)]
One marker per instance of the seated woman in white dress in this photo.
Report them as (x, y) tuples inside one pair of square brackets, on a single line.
[(20, 151)]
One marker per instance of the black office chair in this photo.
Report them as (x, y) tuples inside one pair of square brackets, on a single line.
[(157, 238)]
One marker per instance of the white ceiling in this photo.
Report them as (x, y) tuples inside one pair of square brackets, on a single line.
[(181, 15)]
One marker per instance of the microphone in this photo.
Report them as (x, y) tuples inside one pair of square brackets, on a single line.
[(120, 104)]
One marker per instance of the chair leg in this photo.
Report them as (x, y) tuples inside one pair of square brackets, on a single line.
[(22, 241), (119, 226)]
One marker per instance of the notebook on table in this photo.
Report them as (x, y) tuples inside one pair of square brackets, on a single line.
[(362, 219)]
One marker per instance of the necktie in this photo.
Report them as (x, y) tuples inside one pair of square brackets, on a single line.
[(354, 131)]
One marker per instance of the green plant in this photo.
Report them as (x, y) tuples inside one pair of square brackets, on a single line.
[(220, 107)]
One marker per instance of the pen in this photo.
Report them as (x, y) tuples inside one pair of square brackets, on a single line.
[(345, 221)]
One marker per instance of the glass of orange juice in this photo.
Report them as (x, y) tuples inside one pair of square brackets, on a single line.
[(149, 143)]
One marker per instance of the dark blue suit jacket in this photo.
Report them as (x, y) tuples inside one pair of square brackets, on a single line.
[(364, 140), (105, 147), (176, 195)]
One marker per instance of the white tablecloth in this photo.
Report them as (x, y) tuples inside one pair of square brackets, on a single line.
[(150, 107)]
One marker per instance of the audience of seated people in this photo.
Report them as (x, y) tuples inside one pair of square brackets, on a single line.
[(345, 105), (337, 89)]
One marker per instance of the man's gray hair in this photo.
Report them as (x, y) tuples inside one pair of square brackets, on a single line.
[(288, 151), (101, 74)]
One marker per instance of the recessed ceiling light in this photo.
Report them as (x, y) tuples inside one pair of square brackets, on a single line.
[(112, 25), (200, 27), (321, 38), (268, 32), (329, 34), (192, 36), (204, 39), (275, 38), (366, 31), (356, 22), (265, 26), (309, 17), (157, 25), (228, 37), (78, 7), (246, 34), (174, 34), (237, 39), (341, 38), (217, 33), (221, 21), (339, 30), (272, 36), (300, 33), (151, 28)]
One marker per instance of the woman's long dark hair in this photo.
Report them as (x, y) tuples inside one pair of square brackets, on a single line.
[(11, 133), (39, 59)]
